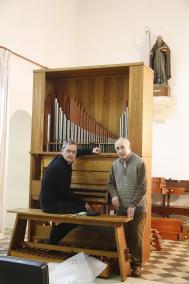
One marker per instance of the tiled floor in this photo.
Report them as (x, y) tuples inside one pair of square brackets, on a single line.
[(170, 265)]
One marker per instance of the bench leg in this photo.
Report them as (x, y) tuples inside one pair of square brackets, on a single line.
[(124, 261), (18, 233)]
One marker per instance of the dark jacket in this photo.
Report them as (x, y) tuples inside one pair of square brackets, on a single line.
[(56, 183)]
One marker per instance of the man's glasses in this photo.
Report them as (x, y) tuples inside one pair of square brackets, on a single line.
[(68, 151)]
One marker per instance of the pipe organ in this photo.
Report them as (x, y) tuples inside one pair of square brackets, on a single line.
[(74, 123), (93, 106)]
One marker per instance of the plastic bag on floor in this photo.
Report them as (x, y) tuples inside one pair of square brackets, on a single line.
[(78, 269)]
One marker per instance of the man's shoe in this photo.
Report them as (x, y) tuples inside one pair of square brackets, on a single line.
[(136, 272)]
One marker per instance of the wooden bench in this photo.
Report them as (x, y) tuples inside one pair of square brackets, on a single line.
[(46, 252), (166, 188), (169, 228)]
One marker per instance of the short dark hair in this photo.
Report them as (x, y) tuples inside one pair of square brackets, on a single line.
[(68, 142)]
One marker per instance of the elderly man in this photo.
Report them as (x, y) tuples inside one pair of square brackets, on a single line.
[(56, 196), (127, 188)]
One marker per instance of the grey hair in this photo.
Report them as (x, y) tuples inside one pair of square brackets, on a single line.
[(68, 142)]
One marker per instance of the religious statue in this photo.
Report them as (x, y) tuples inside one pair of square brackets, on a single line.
[(160, 61)]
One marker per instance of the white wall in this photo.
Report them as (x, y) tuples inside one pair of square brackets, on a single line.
[(60, 33), (43, 31), (113, 31)]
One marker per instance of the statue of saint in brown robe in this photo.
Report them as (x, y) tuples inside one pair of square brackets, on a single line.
[(160, 61)]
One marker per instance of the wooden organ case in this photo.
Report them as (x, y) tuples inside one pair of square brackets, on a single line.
[(95, 99)]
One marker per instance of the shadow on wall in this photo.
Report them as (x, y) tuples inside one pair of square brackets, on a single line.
[(17, 190)]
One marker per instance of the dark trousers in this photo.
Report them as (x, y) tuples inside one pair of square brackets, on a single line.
[(59, 231), (134, 231)]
